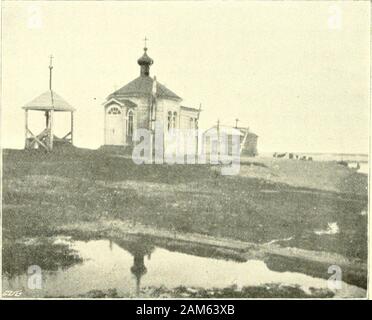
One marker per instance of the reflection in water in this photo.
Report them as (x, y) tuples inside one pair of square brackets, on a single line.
[(318, 269), (138, 269), (131, 268), (48, 253), (138, 250)]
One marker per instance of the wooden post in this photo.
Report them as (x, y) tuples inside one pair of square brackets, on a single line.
[(104, 127), (197, 130), (244, 139), (72, 127), (236, 122), (218, 139), (125, 124), (47, 119), (26, 128), (50, 72), (151, 126), (51, 130)]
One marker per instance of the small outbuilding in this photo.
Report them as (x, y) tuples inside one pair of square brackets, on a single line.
[(220, 137)]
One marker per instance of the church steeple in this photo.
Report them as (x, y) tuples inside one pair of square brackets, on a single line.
[(145, 62)]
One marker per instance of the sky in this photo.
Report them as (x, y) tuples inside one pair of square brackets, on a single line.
[(296, 73)]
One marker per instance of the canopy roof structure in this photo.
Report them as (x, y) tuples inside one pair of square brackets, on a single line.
[(47, 101)]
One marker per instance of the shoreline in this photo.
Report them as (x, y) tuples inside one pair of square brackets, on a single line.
[(354, 271)]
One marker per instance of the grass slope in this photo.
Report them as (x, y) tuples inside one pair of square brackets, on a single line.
[(270, 199)]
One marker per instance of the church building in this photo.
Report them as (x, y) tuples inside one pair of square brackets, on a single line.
[(141, 102)]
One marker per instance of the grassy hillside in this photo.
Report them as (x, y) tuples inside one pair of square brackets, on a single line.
[(270, 199)]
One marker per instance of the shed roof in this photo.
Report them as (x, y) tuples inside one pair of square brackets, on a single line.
[(49, 100), (250, 133), (229, 130)]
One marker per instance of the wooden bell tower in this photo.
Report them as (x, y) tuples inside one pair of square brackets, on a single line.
[(48, 102)]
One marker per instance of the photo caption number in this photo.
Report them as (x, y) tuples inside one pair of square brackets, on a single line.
[(214, 309), (12, 293)]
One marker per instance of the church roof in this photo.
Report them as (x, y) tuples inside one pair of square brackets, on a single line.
[(49, 100), (190, 109), (142, 87), (120, 101)]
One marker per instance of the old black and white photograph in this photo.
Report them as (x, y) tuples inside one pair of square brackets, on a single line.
[(185, 149)]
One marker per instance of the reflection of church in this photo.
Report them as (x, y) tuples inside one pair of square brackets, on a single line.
[(139, 250)]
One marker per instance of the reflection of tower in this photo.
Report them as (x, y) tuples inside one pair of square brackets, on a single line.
[(138, 269), (139, 249)]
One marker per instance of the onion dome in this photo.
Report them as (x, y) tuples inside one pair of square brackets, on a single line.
[(145, 62)]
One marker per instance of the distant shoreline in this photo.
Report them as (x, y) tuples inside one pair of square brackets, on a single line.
[(260, 153), (318, 153)]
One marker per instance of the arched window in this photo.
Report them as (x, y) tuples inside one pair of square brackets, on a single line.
[(192, 124), (169, 120), (130, 123), (174, 121), (114, 110)]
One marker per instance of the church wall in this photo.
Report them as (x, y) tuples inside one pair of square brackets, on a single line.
[(122, 123), (141, 119), (185, 121), (159, 111), (186, 115), (163, 107)]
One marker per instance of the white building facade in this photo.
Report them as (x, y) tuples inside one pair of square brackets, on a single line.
[(130, 108)]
